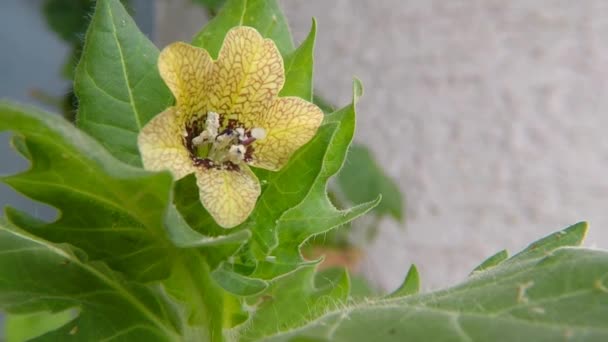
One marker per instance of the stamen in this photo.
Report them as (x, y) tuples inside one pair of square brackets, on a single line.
[(201, 139), (241, 133), (213, 123), (221, 147), (237, 153), (258, 133)]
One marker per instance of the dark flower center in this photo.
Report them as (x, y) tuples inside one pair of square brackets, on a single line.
[(214, 142)]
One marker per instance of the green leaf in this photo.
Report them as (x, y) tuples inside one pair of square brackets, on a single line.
[(362, 179), (183, 236), (305, 178), (27, 326), (493, 261), (111, 210), (203, 302), (294, 299), (410, 286), (263, 15), (559, 294), (238, 284), (117, 82), (299, 66), (571, 236), (40, 276), (361, 288)]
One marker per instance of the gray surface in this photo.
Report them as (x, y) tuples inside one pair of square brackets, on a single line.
[(492, 115), (31, 60)]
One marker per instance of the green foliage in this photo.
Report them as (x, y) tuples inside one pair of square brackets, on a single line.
[(110, 307), (112, 211), (410, 285), (27, 326), (133, 255), (117, 82), (265, 16), (556, 295)]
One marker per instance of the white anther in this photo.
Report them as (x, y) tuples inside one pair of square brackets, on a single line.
[(241, 132), (222, 138), (237, 153), (237, 150), (201, 138), (258, 133), (212, 123)]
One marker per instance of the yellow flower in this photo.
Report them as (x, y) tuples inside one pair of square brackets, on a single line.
[(227, 116)]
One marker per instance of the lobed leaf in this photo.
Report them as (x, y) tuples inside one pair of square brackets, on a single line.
[(114, 212), (41, 276), (559, 294), (293, 300), (314, 213)]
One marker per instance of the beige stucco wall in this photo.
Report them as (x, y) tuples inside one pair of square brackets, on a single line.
[(491, 114)]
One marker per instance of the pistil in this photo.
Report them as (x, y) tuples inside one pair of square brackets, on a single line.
[(225, 148)]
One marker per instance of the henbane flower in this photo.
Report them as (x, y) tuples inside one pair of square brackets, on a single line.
[(227, 117)]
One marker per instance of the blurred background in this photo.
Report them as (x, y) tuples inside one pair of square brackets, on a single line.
[(489, 115)]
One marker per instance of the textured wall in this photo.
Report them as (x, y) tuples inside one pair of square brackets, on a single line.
[(491, 114)]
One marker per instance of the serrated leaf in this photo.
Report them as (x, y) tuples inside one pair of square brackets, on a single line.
[(111, 210), (362, 179), (571, 236), (492, 261), (294, 299), (410, 285), (314, 213), (299, 66), (560, 294), (263, 15), (38, 275), (117, 82), (238, 284)]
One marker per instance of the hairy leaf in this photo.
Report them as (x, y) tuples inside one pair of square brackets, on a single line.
[(559, 294), (313, 213), (117, 82), (113, 211), (38, 275), (410, 285), (293, 300)]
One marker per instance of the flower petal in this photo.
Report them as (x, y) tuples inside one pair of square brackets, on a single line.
[(248, 74), (187, 72), (229, 196), (161, 147), (290, 123)]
